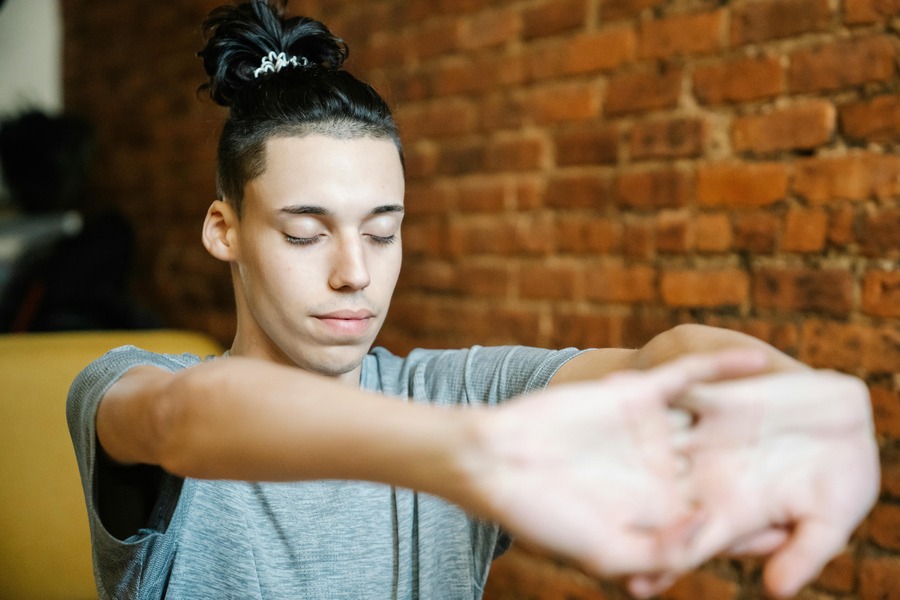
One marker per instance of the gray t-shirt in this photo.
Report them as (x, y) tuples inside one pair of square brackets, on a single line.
[(306, 540)]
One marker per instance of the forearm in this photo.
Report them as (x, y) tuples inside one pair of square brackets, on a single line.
[(249, 420)]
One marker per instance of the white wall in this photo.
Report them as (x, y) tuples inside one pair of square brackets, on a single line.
[(30, 56), (30, 60)]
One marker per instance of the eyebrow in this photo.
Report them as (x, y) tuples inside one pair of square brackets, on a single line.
[(309, 209)]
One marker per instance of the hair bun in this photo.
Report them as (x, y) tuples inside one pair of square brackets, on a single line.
[(240, 37)]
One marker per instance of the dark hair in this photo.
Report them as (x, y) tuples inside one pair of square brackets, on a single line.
[(311, 95)]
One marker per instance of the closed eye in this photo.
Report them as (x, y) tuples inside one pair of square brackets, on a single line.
[(301, 241), (383, 240)]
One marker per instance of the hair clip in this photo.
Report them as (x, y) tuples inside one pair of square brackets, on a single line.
[(275, 62)]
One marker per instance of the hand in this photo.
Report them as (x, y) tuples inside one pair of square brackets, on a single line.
[(785, 464), (588, 470)]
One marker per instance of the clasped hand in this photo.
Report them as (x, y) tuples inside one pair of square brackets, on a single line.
[(648, 474)]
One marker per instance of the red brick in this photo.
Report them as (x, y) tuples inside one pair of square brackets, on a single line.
[(772, 19), (741, 184), (520, 574), (638, 240), (705, 288), (805, 230), (491, 280), (712, 232), (578, 330), (842, 64), (421, 161), (553, 17), (427, 199), (881, 293), (878, 578), (783, 336), (675, 138), (455, 159), (456, 7), (565, 102), (879, 233), (739, 80), (496, 70), (578, 191), (502, 111), (886, 412), (588, 235), (641, 327), (673, 232), (876, 120), (698, 33), (430, 276), (643, 91), (650, 190), (500, 236), (882, 353), (583, 54), (890, 475), (400, 87), (828, 291), (587, 146), (840, 226), (481, 237), (830, 345), (848, 347), (858, 176), (620, 9), (858, 12), (482, 195), (385, 50), (516, 154), (491, 28), (436, 37), (450, 117), (424, 238), (702, 584), (839, 575), (550, 281), (620, 284), (805, 125), (528, 192), (451, 78)]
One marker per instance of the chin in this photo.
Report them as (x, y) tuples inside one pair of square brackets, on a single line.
[(332, 366)]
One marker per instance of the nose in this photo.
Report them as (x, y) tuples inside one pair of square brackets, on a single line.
[(349, 271)]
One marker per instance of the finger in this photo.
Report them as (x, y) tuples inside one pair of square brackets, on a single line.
[(645, 586), (799, 561), (632, 551), (714, 537), (760, 543), (673, 378)]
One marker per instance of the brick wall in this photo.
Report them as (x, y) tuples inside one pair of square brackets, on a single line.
[(580, 172)]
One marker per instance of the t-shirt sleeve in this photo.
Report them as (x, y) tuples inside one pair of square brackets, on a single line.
[(81, 409)]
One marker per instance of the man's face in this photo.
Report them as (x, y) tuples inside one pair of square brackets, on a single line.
[(318, 252)]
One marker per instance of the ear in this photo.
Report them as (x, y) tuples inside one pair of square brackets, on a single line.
[(220, 230)]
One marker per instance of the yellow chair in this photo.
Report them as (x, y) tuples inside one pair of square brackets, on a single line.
[(45, 549)]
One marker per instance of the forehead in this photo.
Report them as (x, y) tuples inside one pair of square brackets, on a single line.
[(330, 172)]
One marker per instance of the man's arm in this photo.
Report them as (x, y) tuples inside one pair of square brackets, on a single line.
[(585, 471), (667, 346), (246, 419)]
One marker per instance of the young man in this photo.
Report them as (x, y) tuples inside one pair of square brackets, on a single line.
[(306, 464)]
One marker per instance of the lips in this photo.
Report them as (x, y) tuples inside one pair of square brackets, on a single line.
[(347, 314), (346, 323)]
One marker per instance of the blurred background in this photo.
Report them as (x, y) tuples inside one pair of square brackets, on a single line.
[(580, 173)]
